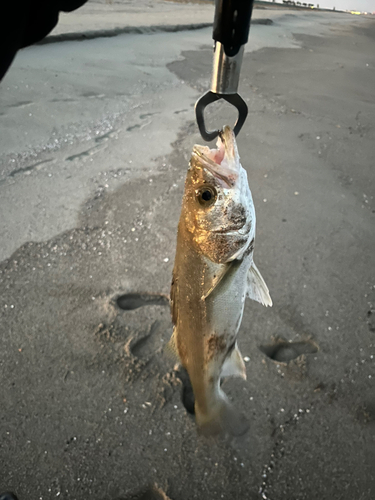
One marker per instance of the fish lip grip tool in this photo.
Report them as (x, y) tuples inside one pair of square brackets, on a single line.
[(231, 33)]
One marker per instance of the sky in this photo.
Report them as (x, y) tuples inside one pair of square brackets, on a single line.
[(358, 5), (361, 5)]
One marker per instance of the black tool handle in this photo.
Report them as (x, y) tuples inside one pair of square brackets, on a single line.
[(232, 24)]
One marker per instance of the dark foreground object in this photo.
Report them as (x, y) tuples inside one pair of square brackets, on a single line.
[(26, 22)]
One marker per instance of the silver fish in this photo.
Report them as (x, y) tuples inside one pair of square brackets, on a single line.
[(213, 273)]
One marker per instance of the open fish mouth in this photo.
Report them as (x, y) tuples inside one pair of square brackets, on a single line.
[(242, 228), (224, 161)]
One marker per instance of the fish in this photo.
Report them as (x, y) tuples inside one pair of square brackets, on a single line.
[(213, 273)]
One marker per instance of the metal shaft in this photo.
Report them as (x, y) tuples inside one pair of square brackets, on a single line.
[(226, 70)]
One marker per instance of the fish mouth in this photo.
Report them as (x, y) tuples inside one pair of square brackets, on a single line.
[(224, 161), (235, 229)]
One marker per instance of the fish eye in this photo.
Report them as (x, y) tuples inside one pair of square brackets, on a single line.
[(206, 196)]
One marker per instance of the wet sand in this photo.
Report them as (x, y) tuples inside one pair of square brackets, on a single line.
[(90, 407)]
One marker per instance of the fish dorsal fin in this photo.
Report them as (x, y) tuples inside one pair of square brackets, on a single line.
[(257, 288), (218, 275), (234, 365), (171, 348)]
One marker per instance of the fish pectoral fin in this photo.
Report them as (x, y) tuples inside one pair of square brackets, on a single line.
[(171, 348), (257, 288), (218, 276), (234, 365)]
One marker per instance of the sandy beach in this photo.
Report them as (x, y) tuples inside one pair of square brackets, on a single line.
[(95, 140)]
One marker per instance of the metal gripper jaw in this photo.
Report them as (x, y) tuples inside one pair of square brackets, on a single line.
[(231, 31)]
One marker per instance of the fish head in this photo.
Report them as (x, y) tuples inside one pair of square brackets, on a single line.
[(218, 207)]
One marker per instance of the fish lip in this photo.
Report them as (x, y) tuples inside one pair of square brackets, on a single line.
[(232, 230)]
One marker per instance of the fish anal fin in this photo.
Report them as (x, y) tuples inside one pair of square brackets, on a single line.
[(257, 288), (234, 365)]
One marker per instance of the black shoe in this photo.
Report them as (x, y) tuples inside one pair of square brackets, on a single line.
[(8, 496)]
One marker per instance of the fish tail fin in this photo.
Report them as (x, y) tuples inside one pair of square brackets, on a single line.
[(221, 418)]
